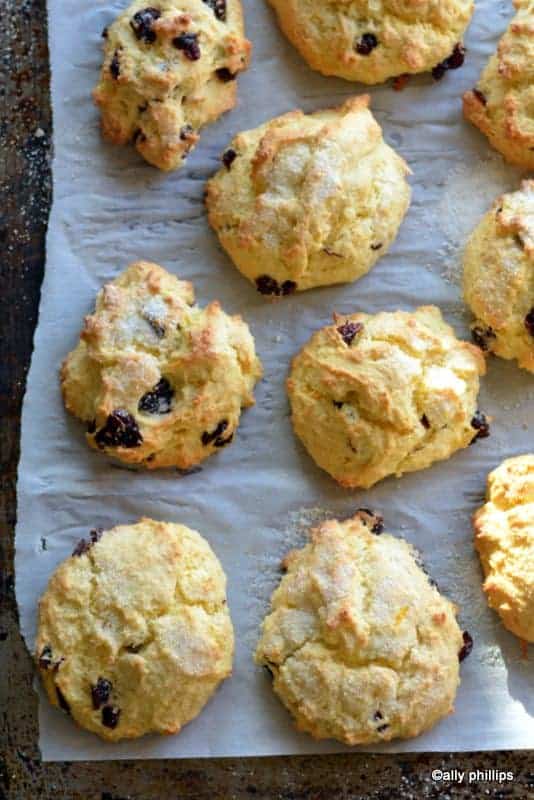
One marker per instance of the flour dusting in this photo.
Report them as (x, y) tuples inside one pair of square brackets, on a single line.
[(267, 573), (469, 192)]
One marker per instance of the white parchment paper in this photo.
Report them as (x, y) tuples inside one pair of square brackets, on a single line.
[(253, 500)]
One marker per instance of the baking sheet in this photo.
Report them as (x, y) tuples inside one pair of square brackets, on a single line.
[(253, 501)]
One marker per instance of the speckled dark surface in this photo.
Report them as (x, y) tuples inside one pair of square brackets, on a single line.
[(25, 136)]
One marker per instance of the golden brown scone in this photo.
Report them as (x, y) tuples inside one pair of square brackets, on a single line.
[(372, 41), (169, 69), (502, 104), (159, 381), (504, 538), (361, 645), (380, 395), (499, 277), (134, 631), (309, 199)]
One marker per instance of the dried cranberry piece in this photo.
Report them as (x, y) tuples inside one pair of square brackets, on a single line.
[(225, 75), (110, 716), (481, 425), (480, 96), (158, 400), (46, 659), (377, 716), (188, 43), (529, 321), (208, 438), (366, 44), (454, 61), (185, 132), (216, 436), (382, 728), (371, 520), (288, 287), (482, 336), (115, 66), (142, 22), (401, 81), (85, 545), (120, 430), (457, 57), (270, 286), (349, 330), (267, 285), (466, 647), (101, 692), (228, 158), (62, 700), (439, 71), (218, 7)]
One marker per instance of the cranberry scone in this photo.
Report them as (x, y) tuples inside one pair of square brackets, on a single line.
[(504, 538), (361, 645), (498, 277), (366, 41), (134, 631), (384, 394), (502, 104), (309, 200), (159, 381), (169, 69)]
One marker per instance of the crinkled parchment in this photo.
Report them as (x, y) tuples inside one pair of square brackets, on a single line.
[(253, 500)]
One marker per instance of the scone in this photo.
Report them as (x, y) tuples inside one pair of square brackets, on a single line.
[(499, 277), (502, 104), (380, 395), (309, 199), (169, 69), (159, 381), (372, 41), (134, 631), (504, 538), (361, 645)]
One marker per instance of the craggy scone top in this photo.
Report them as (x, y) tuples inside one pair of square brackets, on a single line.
[(309, 199), (134, 631), (502, 104), (499, 277), (170, 68), (361, 645), (384, 394), (372, 41), (159, 381), (504, 538)]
